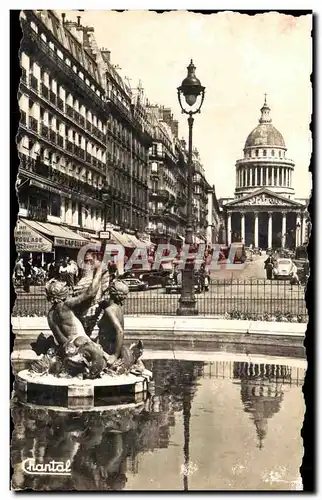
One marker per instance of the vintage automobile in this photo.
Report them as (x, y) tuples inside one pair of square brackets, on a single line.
[(283, 269), (135, 284), (174, 283)]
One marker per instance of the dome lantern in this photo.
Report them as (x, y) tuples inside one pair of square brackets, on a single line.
[(265, 110)]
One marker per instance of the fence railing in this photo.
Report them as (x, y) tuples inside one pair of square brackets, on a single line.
[(233, 299)]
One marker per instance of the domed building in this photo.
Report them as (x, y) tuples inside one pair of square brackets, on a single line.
[(264, 212)]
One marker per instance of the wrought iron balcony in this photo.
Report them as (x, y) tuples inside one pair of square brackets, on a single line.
[(60, 66), (37, 213), (62, 180)]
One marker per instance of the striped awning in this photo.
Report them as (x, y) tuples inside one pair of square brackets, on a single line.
[(62, 236), (122, 238)]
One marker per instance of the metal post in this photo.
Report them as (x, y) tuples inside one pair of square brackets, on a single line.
[(187, 302)]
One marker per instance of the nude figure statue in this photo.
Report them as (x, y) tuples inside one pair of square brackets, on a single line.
[(76, 353), (111, 333)]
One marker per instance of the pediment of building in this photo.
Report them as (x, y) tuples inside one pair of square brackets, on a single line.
[(264, 198)]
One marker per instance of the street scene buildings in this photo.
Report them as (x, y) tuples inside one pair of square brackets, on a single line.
[(117, 352)]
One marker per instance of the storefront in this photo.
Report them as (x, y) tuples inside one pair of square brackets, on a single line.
[(65, 242), (32, 244)]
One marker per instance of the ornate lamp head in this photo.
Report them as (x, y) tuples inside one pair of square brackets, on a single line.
[(191, 89)]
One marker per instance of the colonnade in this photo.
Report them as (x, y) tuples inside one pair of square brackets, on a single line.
[(300, 228), (264, 176)]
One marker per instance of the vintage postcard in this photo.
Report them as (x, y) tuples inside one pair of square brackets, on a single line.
[(163, 182)]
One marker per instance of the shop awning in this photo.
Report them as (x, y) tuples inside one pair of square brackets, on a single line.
[(122, 239), (29, 240), (62, 236), (138, 243)]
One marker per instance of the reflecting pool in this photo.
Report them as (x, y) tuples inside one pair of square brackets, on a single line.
[(208, 425)]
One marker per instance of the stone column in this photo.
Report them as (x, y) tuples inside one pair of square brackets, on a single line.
[(242, 227), (269, 230), (255, 176), (283, 229), (261, 176), (256, 230), (303, 229), (298, 229), (229, 228)]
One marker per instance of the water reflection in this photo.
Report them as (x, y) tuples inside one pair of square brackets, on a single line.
[(108, 449)]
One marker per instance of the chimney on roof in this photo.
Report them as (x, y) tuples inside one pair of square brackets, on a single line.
[(106, 54), (78, 20), (63, 16)]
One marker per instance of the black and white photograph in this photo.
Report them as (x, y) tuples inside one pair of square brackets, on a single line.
[(163, 184)]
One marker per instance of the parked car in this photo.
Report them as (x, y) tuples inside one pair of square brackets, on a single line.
[(174, 284), (153, 278), (283, 269), (135, 284)]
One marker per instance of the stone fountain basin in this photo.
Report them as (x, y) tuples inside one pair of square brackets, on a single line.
[(74, 393)]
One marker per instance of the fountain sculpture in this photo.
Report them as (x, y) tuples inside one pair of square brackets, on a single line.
[(74, 369)]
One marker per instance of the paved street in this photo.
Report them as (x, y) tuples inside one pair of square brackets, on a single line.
[(252, 269), (244, 290)]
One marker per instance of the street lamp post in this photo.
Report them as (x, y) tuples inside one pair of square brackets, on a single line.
[(191, 89)]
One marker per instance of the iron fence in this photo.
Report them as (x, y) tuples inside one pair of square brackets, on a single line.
[(233, 299)]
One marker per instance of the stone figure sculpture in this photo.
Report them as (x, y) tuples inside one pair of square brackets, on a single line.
[(71, 352), (111, 332), (74, 352)]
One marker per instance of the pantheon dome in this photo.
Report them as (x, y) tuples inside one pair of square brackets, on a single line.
[(264, 163), (265, 134)]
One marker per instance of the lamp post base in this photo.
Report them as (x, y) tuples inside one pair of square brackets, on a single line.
[(187, 307)]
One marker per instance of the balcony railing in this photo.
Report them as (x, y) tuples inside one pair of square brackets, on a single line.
[(60, 65), (37, 213), (60, 178)]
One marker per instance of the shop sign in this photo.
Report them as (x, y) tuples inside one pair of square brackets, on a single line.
[(69, 243), (105, 235), (28, 240)]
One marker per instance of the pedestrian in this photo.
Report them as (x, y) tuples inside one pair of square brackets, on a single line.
[(294, 279), (19, 271), (53, 271), (28, 275), (269, 265)]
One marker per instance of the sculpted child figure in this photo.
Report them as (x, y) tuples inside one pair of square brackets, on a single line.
[(79, 351), (111, 333)]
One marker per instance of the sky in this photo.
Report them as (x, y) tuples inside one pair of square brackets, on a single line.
[(238, 58)]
